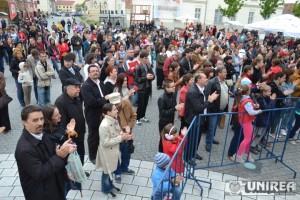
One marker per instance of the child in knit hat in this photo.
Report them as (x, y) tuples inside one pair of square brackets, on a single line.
[(171, 183)]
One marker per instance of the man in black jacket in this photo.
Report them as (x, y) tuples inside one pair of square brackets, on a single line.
[(197, 102), (219, 86), (76, 43), (186, 63), (94, 96), (143, 80), (41, 165), (167, 106), (69, 71), (70, 107)]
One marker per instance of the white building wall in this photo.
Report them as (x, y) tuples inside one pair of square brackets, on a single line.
[(45, 6)]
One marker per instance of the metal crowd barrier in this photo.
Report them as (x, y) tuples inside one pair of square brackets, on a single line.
[(215, 158)]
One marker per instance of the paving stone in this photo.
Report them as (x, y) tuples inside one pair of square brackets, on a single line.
[(19, 198), (17, 192), (11, 157), (7, 164), (99, 195), (4, 157), (227, 197), (145, 173), (215, 176), (129, 197), (144, 191), (7, 198), (218, 185), (201, 173), (89, 166), (216, 194), (7, 181), (140, 181), (146, 165), (86, 195), (72, 194), (5, 191), (17, 182), (87, 184), (129, 189), (188, 189), (227, 177), (96, 176), (9, 172), (127, 179), (192, 197), (96, 185), (197, 191)]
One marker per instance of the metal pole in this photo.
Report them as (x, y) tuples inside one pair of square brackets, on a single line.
[(204, 25)]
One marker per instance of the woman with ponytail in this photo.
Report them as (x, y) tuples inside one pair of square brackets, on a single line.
[(246, 116)]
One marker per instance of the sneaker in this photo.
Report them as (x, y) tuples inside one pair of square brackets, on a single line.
[(129, 172), (293, 142), (249, 158), (144, 119), (231, 158), (118, 178), (239, 159), (138, 122), (283, 132)]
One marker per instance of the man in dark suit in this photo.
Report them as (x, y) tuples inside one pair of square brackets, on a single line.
[(41, 165), (94, 96), (69, 71), (197, 101), (186, 63)]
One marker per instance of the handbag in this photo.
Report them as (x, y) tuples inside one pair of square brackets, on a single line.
[(4, 101), (130, 147), (74, 168)]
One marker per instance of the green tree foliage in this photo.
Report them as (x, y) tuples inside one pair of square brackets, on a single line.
[(268, 7), (78, 7), (296, 9), (233, 7)]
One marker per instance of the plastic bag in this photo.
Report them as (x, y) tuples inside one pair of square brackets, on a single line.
[(74, 168)]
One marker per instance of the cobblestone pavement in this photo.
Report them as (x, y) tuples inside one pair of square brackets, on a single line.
[(146, 139)]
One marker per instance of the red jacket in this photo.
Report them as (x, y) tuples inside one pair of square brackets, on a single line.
[(131, 66), (243, 115), (182, 96), (169, 148), (167, 65), (41, 46), (63, 49)]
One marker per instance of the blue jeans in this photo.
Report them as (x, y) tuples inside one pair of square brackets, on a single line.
[(213, 121), (106, 184), (125, 157), (43, 96), (236, 140), (79, 52), (285, 118), (55, 65), (176, 191), (20, 93), (1, 64), (35, 81)]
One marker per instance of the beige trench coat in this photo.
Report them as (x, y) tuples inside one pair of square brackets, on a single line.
[(108, 153)]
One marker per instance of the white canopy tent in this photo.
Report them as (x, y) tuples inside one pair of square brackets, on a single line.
[(288, 24)]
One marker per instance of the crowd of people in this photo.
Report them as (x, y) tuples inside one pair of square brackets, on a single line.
[(106, 80)]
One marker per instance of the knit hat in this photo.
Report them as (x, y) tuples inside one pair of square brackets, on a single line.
[(161, 160), (114, 98), (246, 81)]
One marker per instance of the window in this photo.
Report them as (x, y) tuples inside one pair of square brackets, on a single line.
[(197, 13), (63, 6), (232, 18), (38, 2), (250, 17), (218, 16)]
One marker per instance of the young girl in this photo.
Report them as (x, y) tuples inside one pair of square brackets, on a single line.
[(247, 112), (170, 142), (263, 120), (25, 77)]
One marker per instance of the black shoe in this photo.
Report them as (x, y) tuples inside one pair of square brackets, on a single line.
[(208, 148), (118, 190), (192, 163), (198, 157), (253, 150), (216, 142), (93, 161), (257, 148), (87, 174), (112, 195)]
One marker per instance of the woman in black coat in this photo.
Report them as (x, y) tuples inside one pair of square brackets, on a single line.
[(4, 115)]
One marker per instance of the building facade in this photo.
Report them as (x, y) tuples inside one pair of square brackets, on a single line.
[(65, 5)]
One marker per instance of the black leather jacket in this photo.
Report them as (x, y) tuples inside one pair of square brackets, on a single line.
[(140, 79), (166, 106)]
